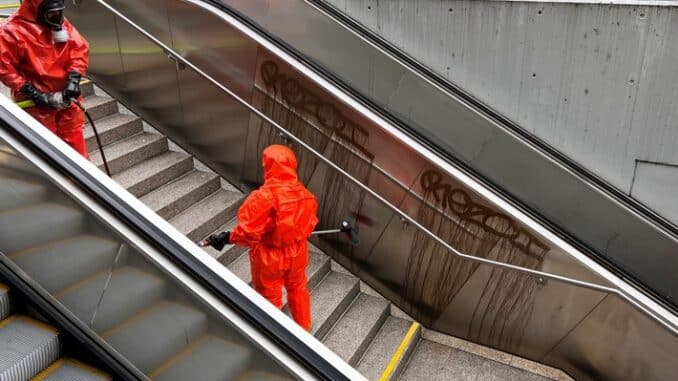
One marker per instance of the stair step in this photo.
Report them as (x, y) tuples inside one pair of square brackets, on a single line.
[(352, 334), (318, 267), (86, 87), (154, 172), (99, 107), (126, 153), (383, 346), (330, 299), (230, 252), (111, 129), (129, 292), (27, 346), (61, 263), (5, 302), (212, 358), (16, 193), (178, 195), (208, 214), (153, 336), (71, 370), (35, 225)]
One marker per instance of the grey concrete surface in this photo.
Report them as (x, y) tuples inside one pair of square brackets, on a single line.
[(592, 80)]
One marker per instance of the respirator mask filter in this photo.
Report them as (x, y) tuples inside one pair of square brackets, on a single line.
[(51, 14)]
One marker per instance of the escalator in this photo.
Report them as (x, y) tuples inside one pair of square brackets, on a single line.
[(93, 288)]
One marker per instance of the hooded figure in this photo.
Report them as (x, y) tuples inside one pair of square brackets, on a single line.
[(275, 222), (42, 58)]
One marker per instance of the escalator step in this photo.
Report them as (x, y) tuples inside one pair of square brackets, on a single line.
[(129, 292), (71, 370), (18, 193), (61, 263), (27, 347), (155, 335), (5, 302), (212, 358), (35, 225)]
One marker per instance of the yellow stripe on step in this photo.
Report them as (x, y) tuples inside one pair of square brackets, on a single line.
[(9, 6), (400, 352), (75, 363)]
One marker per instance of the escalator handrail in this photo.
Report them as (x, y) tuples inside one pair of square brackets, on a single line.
[(663, 319)]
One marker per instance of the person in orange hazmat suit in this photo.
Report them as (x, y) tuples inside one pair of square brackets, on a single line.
[(42, 58), (275, 222)]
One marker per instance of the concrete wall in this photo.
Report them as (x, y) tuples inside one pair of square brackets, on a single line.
[(598, 82)]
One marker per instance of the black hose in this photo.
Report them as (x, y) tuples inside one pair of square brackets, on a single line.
[(96, 135)]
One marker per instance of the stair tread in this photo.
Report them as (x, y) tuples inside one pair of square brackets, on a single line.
[(15, 193), (58, 264), (123, 147), (96, 100), (69, 369), (108, 123), (36, 224), (329, 299), (156, 334), (175, 196), (383, 346), (129, 291), (352, 334), (207, 214), (147, 175), (126, 153), (27, 346), (215, 358)]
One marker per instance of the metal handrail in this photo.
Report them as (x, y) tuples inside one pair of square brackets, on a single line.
[(541, 275)]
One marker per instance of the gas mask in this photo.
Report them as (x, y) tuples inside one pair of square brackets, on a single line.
[(51, 14)]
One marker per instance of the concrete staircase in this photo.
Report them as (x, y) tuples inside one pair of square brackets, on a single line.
[(362, 327)]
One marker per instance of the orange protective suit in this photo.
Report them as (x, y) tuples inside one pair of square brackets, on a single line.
[(275, 221), (28, 54)]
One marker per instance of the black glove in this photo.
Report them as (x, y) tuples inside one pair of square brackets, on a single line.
[(72, 89), (53, 100), (218, 241)]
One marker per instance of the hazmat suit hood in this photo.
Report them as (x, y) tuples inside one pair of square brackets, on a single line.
[(29, 10), (280, 164)]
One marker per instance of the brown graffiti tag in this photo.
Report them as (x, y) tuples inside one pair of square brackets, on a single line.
[(327, 115)]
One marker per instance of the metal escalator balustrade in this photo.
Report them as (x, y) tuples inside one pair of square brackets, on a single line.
[(66, 238), (500, 296)]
